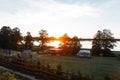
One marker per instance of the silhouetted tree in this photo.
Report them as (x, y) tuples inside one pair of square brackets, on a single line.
[(28, 41), (75, 45), (103, 42), (16, 38), (65, 39), (5, 41), (65, 46), (43, 38), (70, 46), (96, 44)]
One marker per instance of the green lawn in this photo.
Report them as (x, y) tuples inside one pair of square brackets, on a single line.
[(96, 66)]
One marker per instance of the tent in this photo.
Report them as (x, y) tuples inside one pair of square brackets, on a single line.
[(26, 53), (84, 53)]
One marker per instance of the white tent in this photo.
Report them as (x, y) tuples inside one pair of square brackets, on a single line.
[(26, 53), (84, 53)]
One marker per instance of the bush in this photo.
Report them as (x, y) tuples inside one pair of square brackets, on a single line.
[(107, 77), (38, 63), (59, 70), (1, 71), (118, 56), (7, 76)]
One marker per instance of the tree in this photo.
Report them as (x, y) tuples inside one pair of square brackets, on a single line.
[(5, 41), (103, 43), (96, 44), (43, 38), (65, 46), (65, 39), (75, 45), (70, 46), (28, 41), (16, 38)]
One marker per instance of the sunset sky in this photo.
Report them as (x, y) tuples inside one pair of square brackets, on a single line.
[(75, 17)]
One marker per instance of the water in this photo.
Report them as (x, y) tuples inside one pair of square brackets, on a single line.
[(88, 44)]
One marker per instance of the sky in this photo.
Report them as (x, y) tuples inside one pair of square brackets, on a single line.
[(74, 17)]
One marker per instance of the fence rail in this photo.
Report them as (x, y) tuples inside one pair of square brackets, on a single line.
[(39, 71)]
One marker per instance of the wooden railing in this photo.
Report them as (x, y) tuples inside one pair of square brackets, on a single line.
[(39, 71)]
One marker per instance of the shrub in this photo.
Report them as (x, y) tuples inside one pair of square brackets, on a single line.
[(59, 70), (118, 56), (38, 63), (7, 76), (107, 77)]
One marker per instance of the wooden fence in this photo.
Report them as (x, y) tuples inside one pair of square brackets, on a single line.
[(39, 71)]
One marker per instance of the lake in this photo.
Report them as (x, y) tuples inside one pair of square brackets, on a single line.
[(88, 44)]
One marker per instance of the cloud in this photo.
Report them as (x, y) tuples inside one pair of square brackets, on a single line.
[(47, 10), (53, 7), (51, 14), (75, 17)]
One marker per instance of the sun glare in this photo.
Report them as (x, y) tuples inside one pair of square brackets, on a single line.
[(36, 43), (55, 44)]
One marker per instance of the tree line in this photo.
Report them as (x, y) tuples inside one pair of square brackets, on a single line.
[(12, 39)]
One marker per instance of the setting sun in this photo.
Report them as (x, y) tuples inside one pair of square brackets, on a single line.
[(36, 43), (55, 44)]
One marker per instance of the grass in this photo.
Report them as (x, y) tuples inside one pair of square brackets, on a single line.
[(96, 66)]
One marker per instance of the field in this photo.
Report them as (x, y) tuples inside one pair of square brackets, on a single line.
[(96, 66)]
